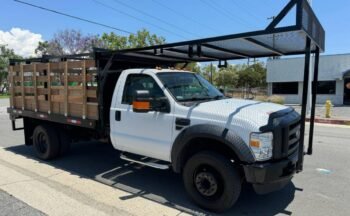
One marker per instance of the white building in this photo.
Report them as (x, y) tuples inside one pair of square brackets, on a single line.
[(285, 78)]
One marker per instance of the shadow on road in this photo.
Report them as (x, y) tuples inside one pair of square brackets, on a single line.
[(101, 163)]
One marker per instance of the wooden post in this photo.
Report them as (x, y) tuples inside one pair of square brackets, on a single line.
[(12, 87), (34, 79), (66, 88), (22, 85), (49, 86), (84, 88)]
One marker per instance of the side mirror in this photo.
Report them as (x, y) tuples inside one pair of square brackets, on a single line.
[(142, 101), (222, 91)]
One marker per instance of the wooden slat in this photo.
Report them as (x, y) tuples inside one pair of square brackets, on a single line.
[(22, 82), (74, 99), (29, 103), (42, 91), (84, 88), (18, 102), (35, 88), (43, 106), (74, 79), (17, 68), (57, 87), (12, 86), (41, 66), (66, 89), (75, 87), (78, 64), (74, 64), (29, 90), (91, 93), (41, 78), (92, 111), (90, 77), (18, 89), (28, 67), (49, 87), (17, 78), (90, 63), (57, 66)]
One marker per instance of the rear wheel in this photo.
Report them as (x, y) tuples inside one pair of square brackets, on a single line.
[(46, 142), (212, 181)]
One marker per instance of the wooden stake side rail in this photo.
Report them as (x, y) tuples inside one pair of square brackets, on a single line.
[(61, 88)]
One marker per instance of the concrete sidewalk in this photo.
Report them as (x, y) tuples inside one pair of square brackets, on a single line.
[(58, 192), (339, 114)]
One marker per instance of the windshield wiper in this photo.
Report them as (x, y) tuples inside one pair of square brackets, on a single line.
[(217, 97), (196, 99)]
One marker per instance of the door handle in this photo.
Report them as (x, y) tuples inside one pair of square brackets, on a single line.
[(118, 115)]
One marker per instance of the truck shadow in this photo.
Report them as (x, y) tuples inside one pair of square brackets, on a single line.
[(101, 162)]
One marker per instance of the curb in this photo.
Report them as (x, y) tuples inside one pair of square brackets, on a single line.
[(330, 121)]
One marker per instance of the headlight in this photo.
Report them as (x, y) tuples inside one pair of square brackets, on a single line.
[(261, 145)]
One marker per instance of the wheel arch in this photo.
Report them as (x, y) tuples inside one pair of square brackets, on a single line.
[(208, 137)]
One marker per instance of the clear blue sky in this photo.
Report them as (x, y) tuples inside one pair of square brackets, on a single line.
[(206, 20)]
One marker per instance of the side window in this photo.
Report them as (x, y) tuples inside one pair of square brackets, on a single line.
[(136, 82)]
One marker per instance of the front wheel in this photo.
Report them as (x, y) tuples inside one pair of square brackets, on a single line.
[(212, 181)]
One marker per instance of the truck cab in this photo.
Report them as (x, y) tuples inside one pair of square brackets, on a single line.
[(178, 119)]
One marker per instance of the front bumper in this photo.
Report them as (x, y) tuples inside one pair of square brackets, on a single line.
[(271, 176)]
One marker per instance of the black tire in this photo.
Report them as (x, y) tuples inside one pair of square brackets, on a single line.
[(212, 181), (65, 142), (46, 142)]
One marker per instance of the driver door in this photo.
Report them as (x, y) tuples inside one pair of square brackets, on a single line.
[(147, 134)]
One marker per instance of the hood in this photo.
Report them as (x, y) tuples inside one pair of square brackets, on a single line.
[(240, 113)]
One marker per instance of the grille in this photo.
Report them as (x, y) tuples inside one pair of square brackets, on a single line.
[(293, 137)]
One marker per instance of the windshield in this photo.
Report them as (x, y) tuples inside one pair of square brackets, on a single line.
[(189, 86)]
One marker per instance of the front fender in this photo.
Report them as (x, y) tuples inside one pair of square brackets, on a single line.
[(219, 133)]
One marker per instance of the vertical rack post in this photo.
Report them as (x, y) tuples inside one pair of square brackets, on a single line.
[(22, 86), (49, 87), (66, 88), (84, 87), (313, 103), (12, 87), (304, 103), (34, 78)]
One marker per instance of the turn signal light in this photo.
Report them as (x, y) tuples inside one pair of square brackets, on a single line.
[(141, 105), (255, 143)]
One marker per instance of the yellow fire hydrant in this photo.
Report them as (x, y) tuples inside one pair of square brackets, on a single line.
[(328, 106)]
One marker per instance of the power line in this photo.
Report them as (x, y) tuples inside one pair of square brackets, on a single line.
[(225, 11), (183, 15), (246, 10), (74, 17), (138, 19), (155, 18)]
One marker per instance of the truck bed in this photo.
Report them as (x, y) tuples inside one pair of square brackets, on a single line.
[(65, 90)]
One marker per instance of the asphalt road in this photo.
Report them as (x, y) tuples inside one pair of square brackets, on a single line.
[(321, 189)]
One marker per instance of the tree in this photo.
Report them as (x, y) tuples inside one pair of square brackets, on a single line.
[(72, 41), (252, 76), (142, 38), (5, 55), (68, 42), (227, 77), (209, 71), (192, 66)]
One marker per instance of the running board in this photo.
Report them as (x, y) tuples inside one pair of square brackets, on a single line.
[(145, 163)]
